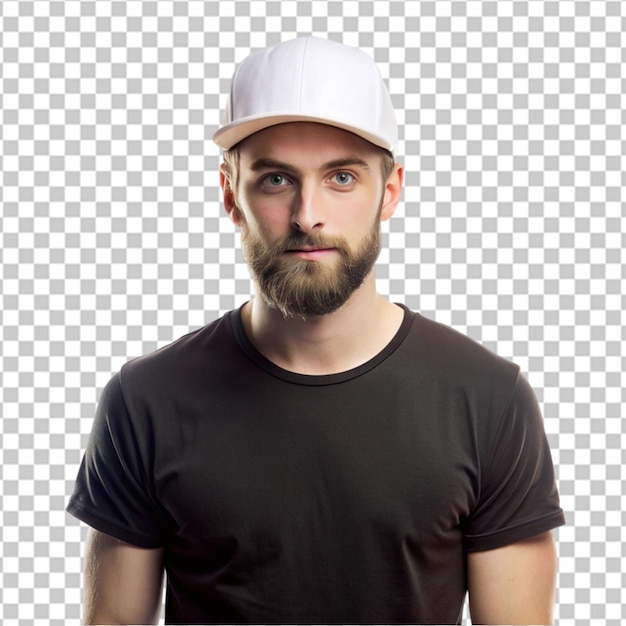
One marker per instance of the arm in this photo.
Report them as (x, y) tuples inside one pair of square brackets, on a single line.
[(123, 582), (514, 584)]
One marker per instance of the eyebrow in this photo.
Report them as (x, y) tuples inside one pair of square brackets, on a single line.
[(265, 163)]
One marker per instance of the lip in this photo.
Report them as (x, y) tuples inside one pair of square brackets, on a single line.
[(311, 253)]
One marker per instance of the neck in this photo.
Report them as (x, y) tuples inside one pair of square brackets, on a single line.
[(324, 344)]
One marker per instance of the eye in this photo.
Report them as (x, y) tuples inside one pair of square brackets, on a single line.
[(275, 180), (343, 178)]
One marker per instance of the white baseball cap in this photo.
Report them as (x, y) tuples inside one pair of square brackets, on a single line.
[(309, 79)]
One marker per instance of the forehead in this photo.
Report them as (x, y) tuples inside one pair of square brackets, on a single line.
[(305, 143)]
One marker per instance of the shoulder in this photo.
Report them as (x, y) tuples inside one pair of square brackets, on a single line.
[(461, 380), (449, 353), (181, 360)]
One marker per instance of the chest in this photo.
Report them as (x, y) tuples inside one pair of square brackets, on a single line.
[(317, 466)]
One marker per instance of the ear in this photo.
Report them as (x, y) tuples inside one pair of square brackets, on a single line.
[(393, 192), (230, 203)]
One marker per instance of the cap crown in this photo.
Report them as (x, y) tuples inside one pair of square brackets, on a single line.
[(309, 79)]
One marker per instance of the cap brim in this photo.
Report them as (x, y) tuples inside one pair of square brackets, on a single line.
[(231, 134)]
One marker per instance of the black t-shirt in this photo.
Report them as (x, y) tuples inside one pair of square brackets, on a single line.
[(344, 498)]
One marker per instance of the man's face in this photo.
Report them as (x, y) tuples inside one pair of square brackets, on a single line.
[(310, 202)]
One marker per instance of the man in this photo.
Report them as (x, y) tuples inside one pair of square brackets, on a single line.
[(320, 455)]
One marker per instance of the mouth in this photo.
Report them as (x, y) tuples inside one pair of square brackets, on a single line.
[(310, 253)]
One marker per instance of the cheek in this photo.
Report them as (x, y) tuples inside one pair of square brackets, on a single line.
[(265, 215), (356, 215), (262, 225)]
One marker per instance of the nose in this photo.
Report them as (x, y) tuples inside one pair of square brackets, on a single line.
[(308, 212)]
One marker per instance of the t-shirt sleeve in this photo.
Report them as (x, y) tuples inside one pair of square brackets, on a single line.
[(114, 490), (518, 496)]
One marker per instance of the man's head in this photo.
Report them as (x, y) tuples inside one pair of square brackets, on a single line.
[(308, 171), (309, 201)]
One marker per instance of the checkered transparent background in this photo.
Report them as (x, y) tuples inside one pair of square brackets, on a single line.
[(114, 241)]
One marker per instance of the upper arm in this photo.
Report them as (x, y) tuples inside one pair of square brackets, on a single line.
[(123, 583), (514, 584)]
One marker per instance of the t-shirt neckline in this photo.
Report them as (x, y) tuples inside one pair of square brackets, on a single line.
[(265, 364)]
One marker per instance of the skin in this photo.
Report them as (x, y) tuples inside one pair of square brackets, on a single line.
[(510, 585), (122, 583), (515, 584)]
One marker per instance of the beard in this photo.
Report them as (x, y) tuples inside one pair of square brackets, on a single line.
[(301, 288)]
